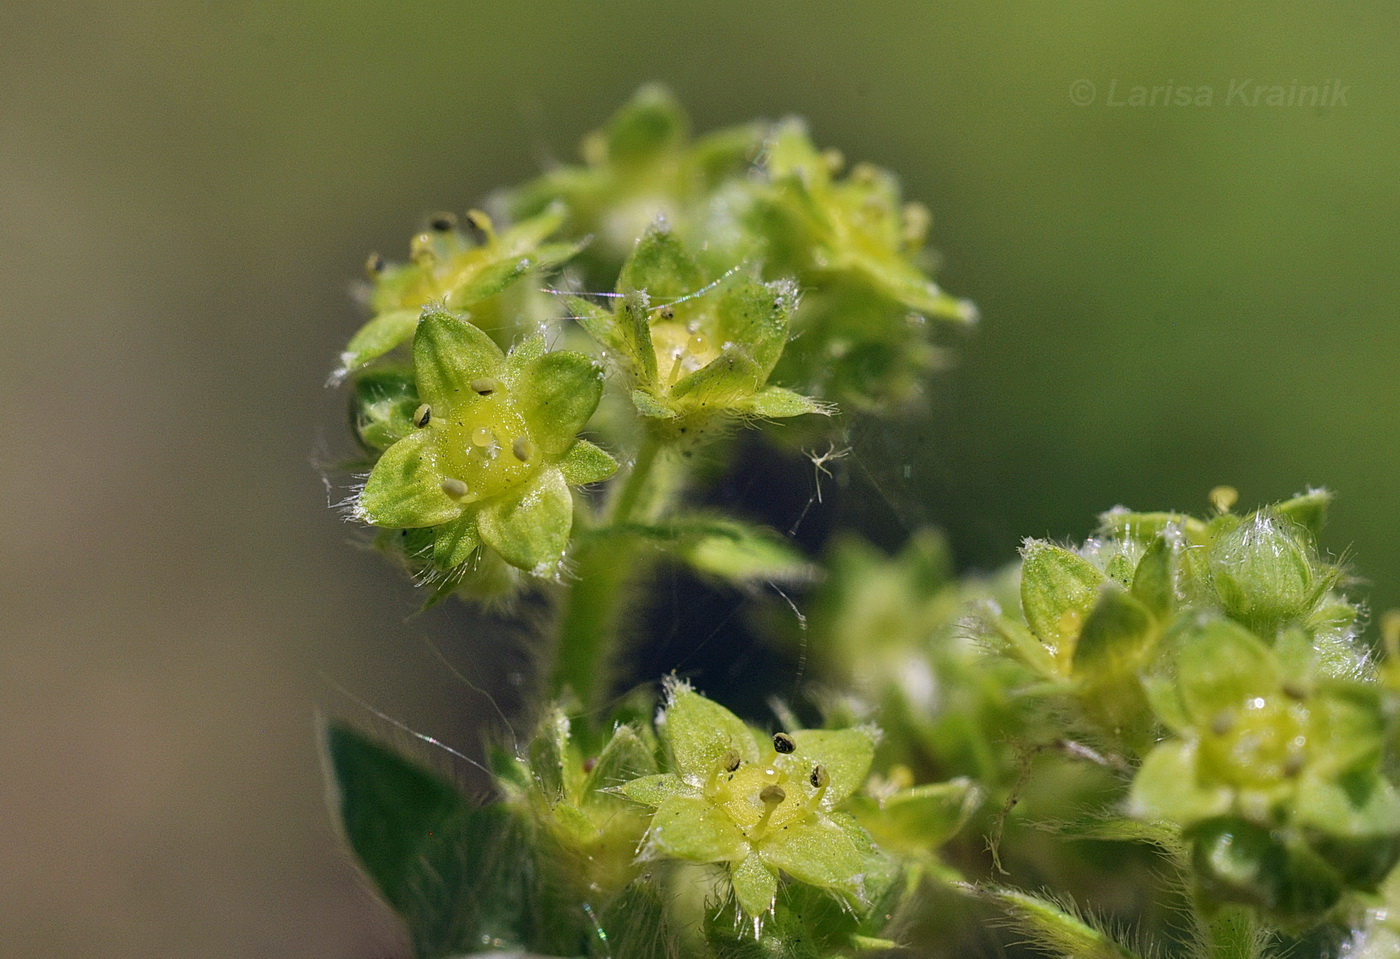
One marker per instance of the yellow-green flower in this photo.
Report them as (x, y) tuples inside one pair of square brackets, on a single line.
[(697, 354), (760, 806), (492, 450), (460, 271)]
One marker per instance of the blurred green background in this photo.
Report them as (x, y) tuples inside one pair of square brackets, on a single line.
[(1173, 297)]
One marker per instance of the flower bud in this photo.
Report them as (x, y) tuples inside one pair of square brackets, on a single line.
[(1263, 573)]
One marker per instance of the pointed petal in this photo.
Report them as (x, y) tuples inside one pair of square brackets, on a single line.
[(448, 353), (404, 490), (530, 530)]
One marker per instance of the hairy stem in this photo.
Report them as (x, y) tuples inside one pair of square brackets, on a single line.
[(605, 566)]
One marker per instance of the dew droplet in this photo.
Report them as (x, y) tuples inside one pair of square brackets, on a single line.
[(481, 436)]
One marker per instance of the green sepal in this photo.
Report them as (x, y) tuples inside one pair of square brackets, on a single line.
[(454, 543), (557, 393), (382, 404), (404, 490), (660, 267), (499, 276), (1057, 929), (1154, 579), (754, 316), (821, 853), (694, 829), (755, 885), (455, 872), (649, 406), (652, 122), (1114, 637), (1237, 861), (1168, 786), (1360, 804), (602, 325), (845, 753), (700, 731), (377, 337), (548, 752), (531, 528), (1058, 590), (634, 323), (585, 463), (1219, 666), (1351, 719), (1308, 510), (448, 353), (624, 760), (917, 821), (653, 790), (776, 403), (719, 385)]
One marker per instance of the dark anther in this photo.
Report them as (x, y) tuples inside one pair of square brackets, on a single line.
[(443, 223), (784, 743)]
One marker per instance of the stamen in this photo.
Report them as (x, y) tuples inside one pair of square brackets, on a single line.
[(784, 743), (422, 415), (485, 385), (524, 449), (454, 487)]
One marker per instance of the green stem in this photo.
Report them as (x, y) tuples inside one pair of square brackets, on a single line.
[(589, 624)]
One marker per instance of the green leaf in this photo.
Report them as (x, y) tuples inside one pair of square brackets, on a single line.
[(585, 463), (531, 529), (1058, 591), (404, 490), (755, 885), (694, 829), (660, 267), (448, 353), (455, 872), (776, 403), (557, 393), (377, 337), (1114, 637), (700, 732), (738, 553)]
